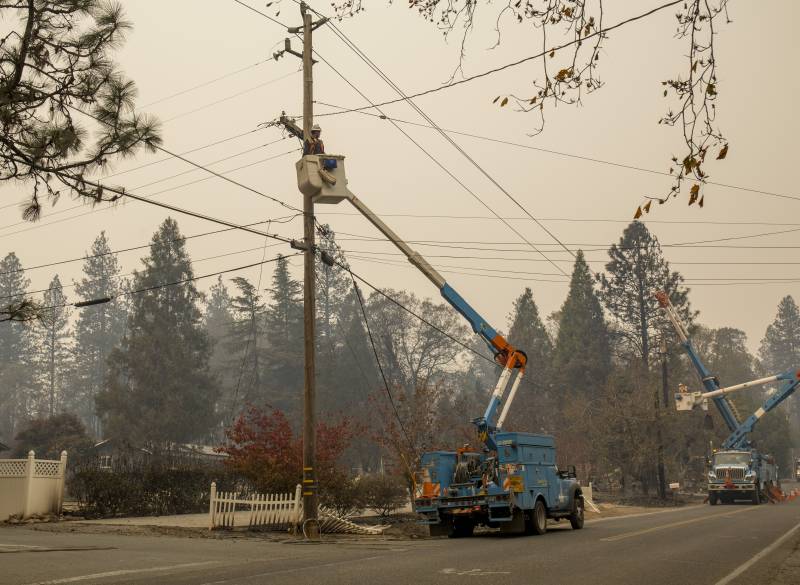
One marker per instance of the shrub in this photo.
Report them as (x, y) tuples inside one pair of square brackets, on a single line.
[(148, 488), (383, 494)]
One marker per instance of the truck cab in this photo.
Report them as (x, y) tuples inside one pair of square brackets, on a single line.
[(516, 488), (736, 474)]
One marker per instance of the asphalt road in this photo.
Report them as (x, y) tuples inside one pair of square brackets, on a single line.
[(698, 545)]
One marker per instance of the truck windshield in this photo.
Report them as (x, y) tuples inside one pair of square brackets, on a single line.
[(731, 459)]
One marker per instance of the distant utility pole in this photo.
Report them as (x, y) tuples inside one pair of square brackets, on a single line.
[(310, 497)]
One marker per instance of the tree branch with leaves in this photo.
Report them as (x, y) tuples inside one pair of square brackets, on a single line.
[(55, 63)]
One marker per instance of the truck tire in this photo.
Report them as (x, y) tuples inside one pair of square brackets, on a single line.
[(756, 497), (539, 518), (712, 499), (576, 518), (461, 528)]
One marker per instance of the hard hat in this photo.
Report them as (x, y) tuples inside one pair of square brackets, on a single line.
[(316, 128)]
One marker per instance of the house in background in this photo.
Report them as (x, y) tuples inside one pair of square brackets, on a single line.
[(113, 453)]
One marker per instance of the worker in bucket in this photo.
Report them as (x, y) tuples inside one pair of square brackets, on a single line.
[(314, 145)]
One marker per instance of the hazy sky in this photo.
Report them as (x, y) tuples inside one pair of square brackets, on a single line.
[(178, 44)]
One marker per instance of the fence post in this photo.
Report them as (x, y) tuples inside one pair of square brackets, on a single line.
[(211, 502), (26, 497), (298, 504), (61, 481)]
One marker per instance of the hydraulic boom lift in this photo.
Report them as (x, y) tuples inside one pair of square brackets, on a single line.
[(738, 469), (513, 482)]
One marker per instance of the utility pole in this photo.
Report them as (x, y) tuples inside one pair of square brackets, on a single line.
[(310, 502), (310, 496), (664, 372)]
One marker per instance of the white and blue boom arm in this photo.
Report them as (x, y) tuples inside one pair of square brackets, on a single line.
[(506, 355), (710, 382), (738, 438)]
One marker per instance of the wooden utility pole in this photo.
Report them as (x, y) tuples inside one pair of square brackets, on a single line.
[(310, 503)]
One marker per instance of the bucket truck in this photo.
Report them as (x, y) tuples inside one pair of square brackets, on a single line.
[(512, 482), (737, 470)]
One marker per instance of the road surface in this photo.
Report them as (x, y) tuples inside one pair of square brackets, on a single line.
[(701, 545)]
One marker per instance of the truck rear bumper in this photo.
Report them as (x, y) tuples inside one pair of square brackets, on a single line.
[(495, 508)]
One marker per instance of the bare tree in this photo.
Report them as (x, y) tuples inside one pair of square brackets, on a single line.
[(569, 66)]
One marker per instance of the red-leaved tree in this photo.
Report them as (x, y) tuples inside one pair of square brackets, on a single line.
[(263, 448)]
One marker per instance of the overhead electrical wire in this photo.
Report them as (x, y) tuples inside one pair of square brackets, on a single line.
[(560, 153), (230, 97), (400, 92), (470, 78), (205, 83), (127, 274), (143, 246), (167, 190), (173, 283)]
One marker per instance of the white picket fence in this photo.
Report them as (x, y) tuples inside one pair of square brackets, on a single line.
[(276, 511), (31, 486)]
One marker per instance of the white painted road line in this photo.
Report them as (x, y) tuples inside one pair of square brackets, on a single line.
[(744, 566), (124, 572), (625, 535)]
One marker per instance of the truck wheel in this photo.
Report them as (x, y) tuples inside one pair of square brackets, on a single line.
[(712, 499), (461, 528), (576, 518), (539, 518), (756, 497)]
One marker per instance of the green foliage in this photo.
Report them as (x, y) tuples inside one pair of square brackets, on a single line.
[(147, 489), (53, 356), (98, 330), (285, 325), (780, 348), (158, 387), (637, 270), (383, 494), (16, 376), (57, 61), (582, 356), (527, 333), (47, 437)]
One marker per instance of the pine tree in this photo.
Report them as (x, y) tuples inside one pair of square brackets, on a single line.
[(218, 322), (245, 348), (582, 357), (284, 377), (636, 272), (159, 389), (780, 349), (98, 330), (527, 333), (16, 368), (53, 347)]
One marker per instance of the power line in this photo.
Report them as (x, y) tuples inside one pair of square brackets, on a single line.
[(285, 219), (439, 164), (693, 282), (570, 219), (173, 283), (230, 97), (206, 83), (509, 65), (127, 274), (558, 153), (194, 164), (150, 195), (425, 116)]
